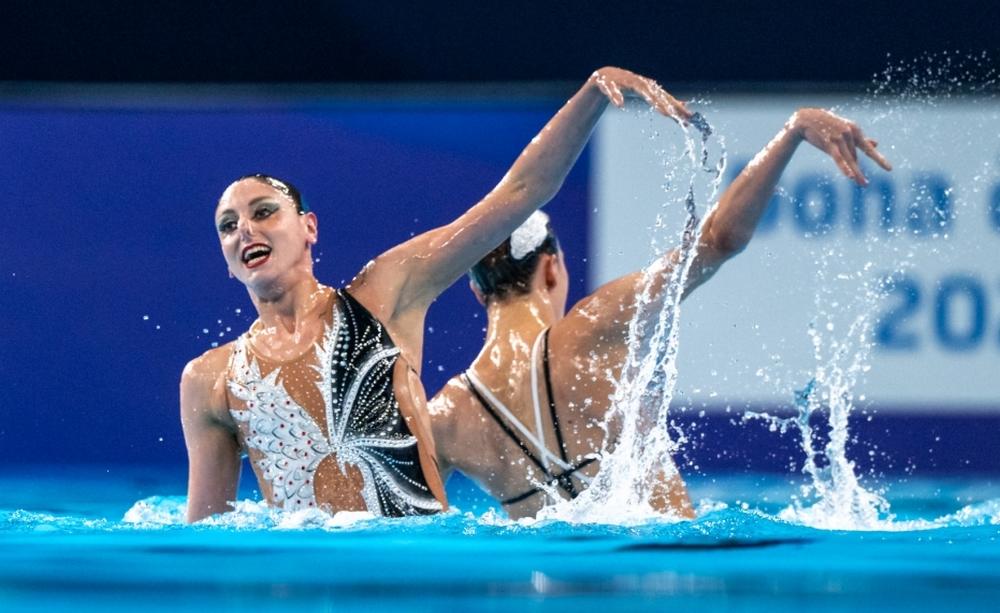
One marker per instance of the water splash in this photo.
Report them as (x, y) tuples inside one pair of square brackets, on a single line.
[(166, 511), (841, 334), (931, 77), (716, 520), (986, 513), (833, 497), (638, 451)]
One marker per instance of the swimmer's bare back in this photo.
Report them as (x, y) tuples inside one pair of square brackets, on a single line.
[(588, 347)]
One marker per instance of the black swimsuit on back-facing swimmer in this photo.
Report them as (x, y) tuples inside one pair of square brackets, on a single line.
[(352, 371), (494, 407)]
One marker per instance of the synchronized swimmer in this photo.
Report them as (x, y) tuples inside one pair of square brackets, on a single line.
[(323, 391), (541, 386)]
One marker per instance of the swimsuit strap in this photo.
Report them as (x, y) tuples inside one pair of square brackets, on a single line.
[(560, 480), (494, 407), (541, 339), (552, 399), (497, 405), (474, 388), (555, 417), (535, 404)]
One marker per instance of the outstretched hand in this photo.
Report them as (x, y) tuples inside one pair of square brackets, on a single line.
[(839, 138), (617, 83)]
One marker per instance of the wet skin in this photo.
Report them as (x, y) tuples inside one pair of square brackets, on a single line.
[(588, 347), (267, 246)]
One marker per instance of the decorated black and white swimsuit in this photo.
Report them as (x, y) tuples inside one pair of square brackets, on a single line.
[(349, 376)]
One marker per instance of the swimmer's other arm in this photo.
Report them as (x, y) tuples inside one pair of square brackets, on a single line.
[(213, 451), (731, 225), (426, 265)]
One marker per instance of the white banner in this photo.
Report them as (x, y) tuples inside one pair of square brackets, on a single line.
[(745, 334)]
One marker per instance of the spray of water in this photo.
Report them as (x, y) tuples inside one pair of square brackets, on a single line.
[(833, 497), (639, 447)]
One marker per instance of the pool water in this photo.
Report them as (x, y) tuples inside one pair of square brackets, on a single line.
[(111, 539)]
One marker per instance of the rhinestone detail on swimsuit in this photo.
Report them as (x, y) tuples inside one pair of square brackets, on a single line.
[(364, 425)]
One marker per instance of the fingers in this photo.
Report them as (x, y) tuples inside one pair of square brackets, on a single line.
[(850, 155), (611, 90), (868, 146), (672, 107), (838, 157), (843, 165), (667, 104), (848, 139), (615, 94), (841, 139), (844, 155), (649, 90), (681, 109)]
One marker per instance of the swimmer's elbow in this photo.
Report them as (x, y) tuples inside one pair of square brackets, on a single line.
[(534, 191), (542, 194), (726, 242)]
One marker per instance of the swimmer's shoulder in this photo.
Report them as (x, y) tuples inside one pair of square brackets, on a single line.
[(595, 323), (203, 381), (450, 408), (209, 365), (452, 401), (609, 306), (456, 419), (586, 346)]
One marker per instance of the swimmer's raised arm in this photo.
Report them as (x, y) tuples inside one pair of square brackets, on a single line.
[(213, 452), (426, 265), (731, 225)]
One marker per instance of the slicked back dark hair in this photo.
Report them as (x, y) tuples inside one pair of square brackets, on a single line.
[(499, 276), (285, 187)]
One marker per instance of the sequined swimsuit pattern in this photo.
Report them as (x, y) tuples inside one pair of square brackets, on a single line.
[(354, 366)]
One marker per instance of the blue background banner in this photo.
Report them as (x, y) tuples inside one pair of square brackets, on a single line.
[(111, 277)]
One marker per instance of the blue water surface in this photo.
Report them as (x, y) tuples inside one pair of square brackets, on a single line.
[(64, 543)]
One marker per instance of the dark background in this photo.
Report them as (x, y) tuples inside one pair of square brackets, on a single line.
[(479, 41)]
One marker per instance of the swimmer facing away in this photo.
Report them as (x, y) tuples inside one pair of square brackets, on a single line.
[(323, 391), (524, 421)]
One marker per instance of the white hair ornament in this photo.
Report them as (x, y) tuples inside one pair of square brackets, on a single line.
[(529, 236)]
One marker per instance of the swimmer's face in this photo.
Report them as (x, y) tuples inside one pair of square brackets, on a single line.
[(263, 237)]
